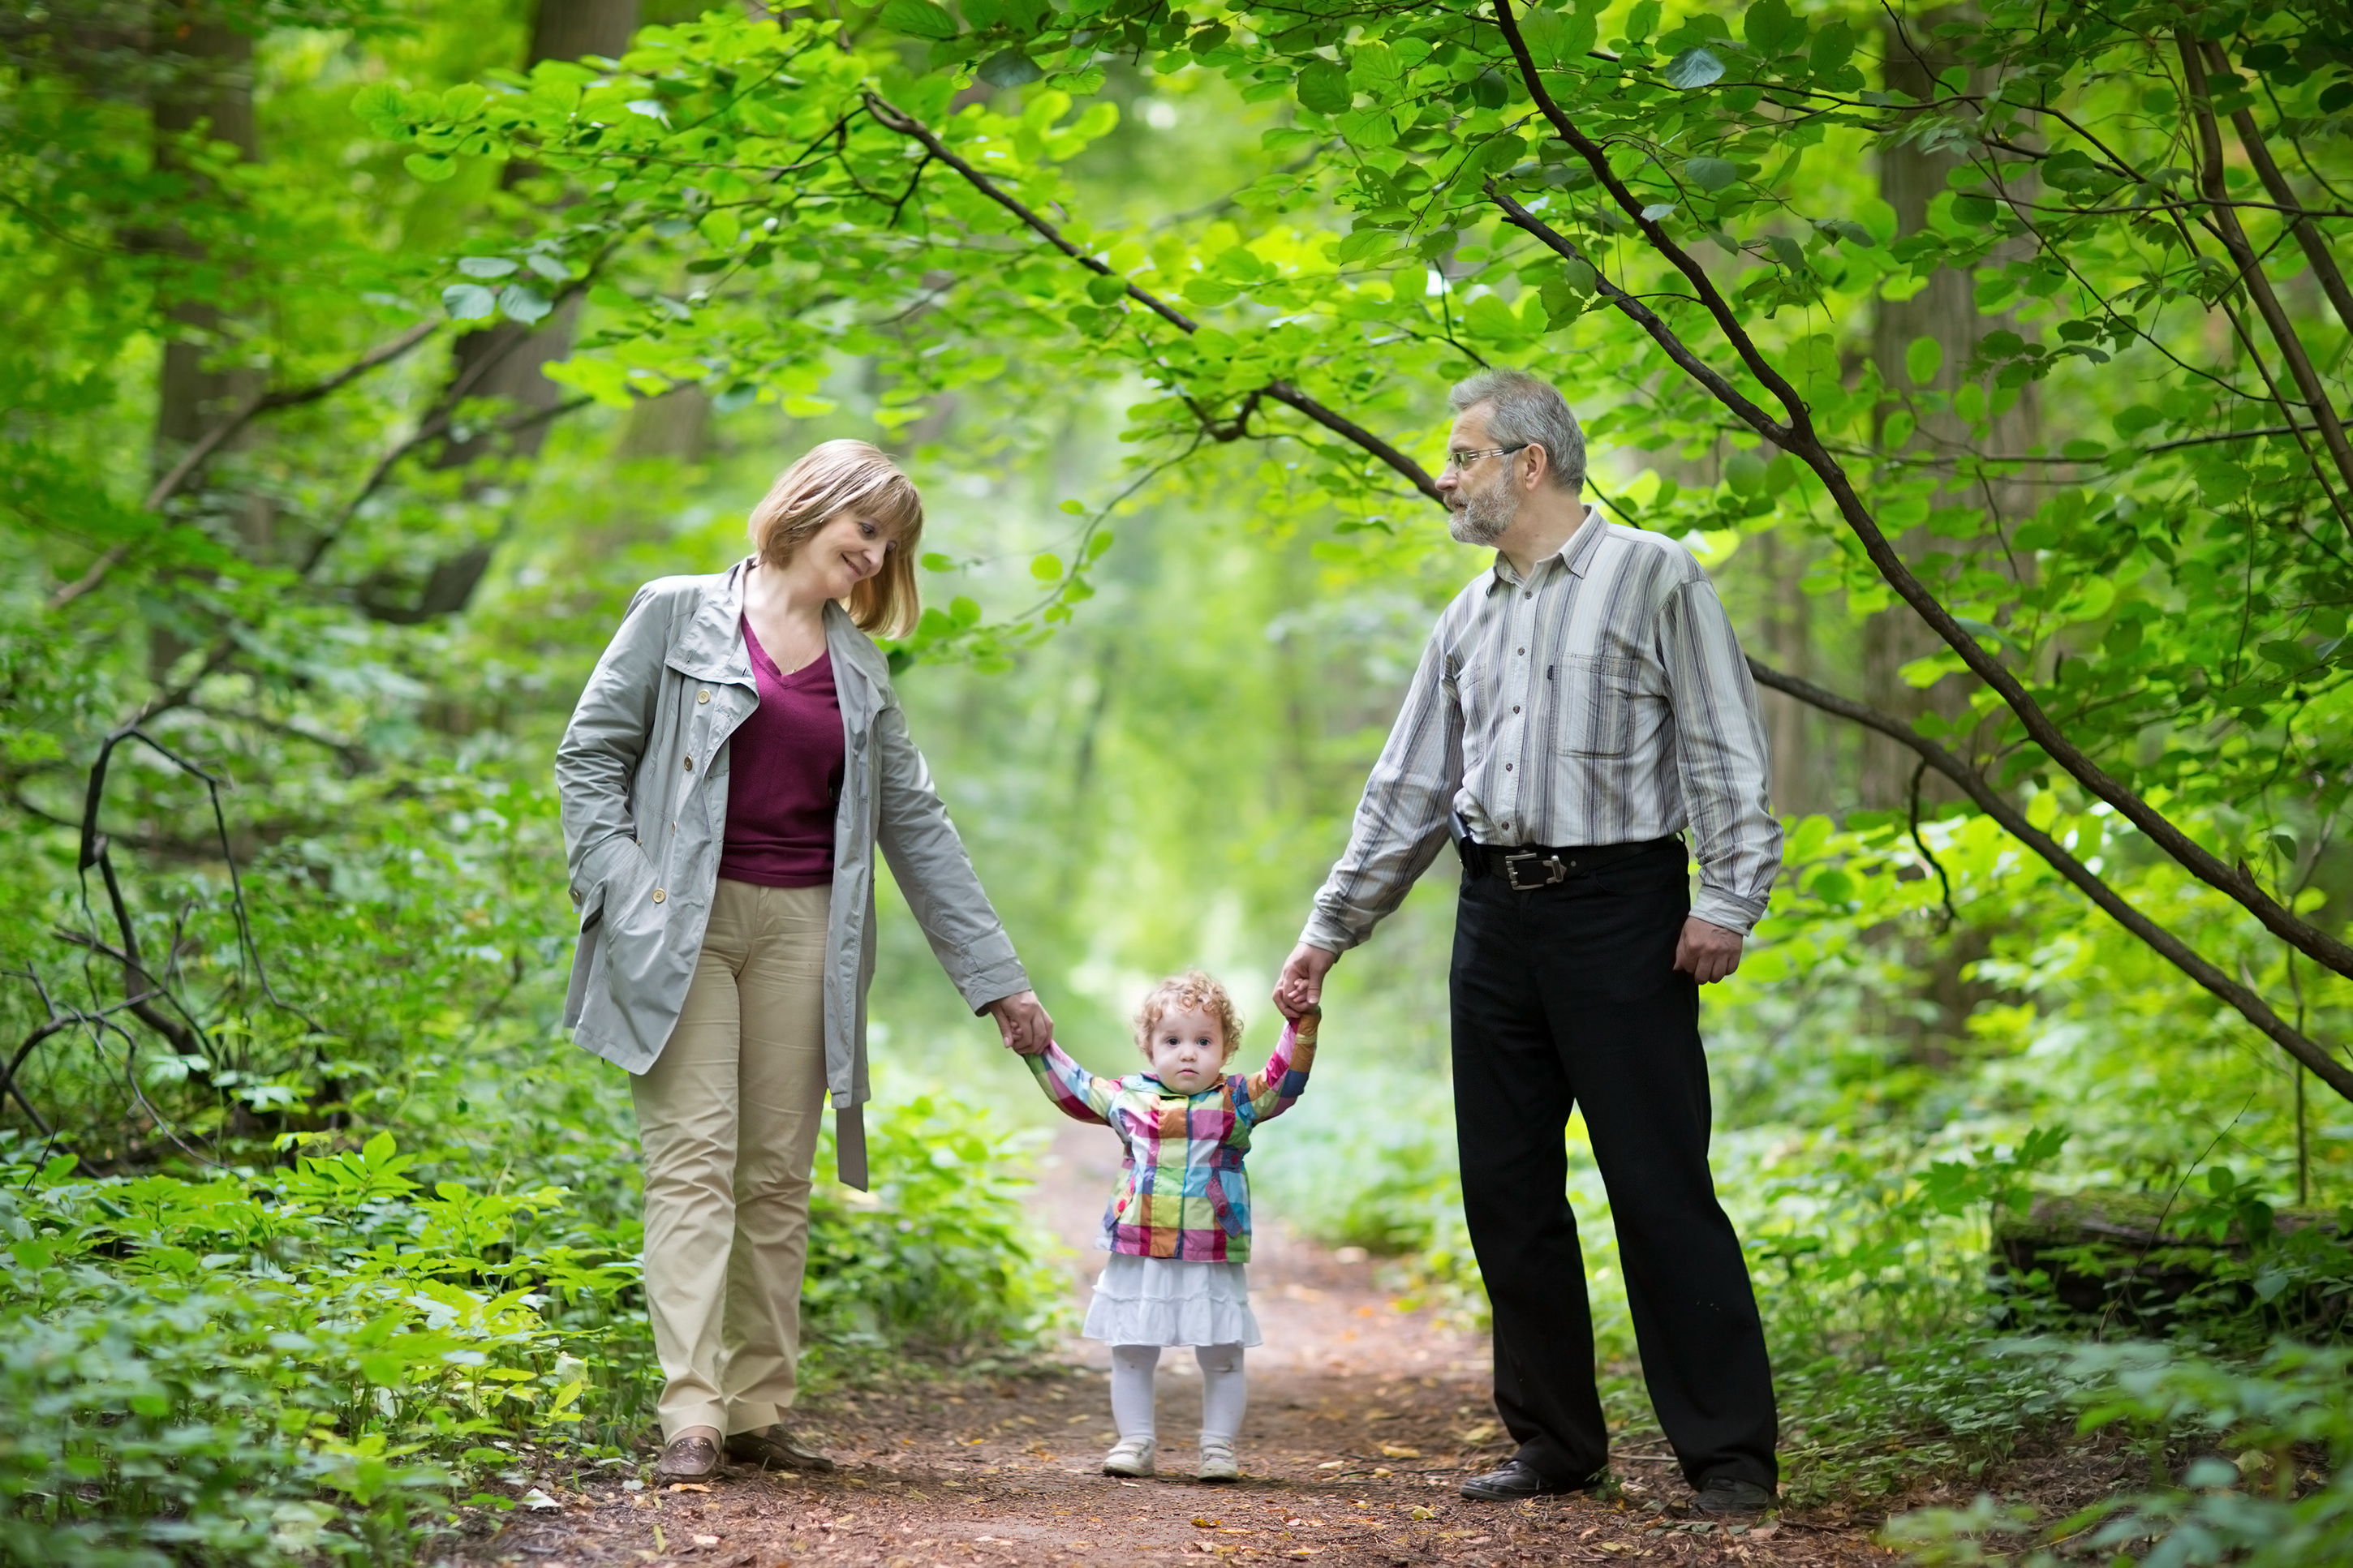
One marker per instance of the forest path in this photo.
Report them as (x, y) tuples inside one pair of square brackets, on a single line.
[(1363, 1420)]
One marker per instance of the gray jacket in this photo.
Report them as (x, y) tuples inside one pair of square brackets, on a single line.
[(642, 773)]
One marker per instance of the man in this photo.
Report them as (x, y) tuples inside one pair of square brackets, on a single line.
[(1578, 705)]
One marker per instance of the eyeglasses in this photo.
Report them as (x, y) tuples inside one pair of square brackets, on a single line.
[(1458, 461)]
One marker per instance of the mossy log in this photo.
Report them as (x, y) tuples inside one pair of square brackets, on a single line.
[(2106, 1253)]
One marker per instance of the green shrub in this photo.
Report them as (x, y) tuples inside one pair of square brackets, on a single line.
[(318, 1362), (2248, 1464)]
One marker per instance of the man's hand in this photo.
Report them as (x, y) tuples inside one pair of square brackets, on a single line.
[(1706, 951), (1301, 984), (1027, 1028)]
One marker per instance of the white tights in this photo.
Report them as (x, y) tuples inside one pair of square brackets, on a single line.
[(1223, 1393)]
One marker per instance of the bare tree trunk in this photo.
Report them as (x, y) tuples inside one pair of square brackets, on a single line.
[(206, 84), (1945, 312), (562, 31)]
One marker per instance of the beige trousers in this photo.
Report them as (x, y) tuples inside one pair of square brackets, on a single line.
[(728, 1117)]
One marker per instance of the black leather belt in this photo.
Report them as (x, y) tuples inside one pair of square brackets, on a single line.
[(1527, 867)]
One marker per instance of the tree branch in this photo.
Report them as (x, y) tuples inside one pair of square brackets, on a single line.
[(1281, 391), (1971, 782), (1805, 442), (2250, 267), (195, 456)]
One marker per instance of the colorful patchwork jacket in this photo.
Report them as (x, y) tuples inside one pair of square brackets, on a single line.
[(1181, 1193)]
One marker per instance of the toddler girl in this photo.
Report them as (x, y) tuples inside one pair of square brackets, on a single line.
[(1178, 1227)]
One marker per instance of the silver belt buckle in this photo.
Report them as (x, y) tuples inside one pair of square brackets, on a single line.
[(1554, 872)]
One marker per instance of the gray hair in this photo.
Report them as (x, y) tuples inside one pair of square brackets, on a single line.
[(1525, 410)]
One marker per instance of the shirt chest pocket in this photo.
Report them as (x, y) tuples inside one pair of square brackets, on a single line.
[(1597, 700)]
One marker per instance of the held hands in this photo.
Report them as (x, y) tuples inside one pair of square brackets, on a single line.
[(1706, 951), (1026, 1026), (1301, 986)]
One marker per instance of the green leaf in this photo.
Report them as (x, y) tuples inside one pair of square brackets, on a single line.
[(524, 305), (1710, 173), (1324, 88), (485, 266), (1009, 68), (720, 227), (1047, 568), (468, 301), (920, 19), (932, 560), (430, 167), (1489, 316), (1098, 544), (1745, 473), (1375, 69), (1770, 28), (1695, 67), (1923, 358)]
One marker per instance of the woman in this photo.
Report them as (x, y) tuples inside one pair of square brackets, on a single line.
[(736, 757)]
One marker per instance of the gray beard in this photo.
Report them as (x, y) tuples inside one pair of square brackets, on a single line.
[(1482, 518)]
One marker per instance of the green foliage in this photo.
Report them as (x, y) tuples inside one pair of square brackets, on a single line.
[(320, 1360), (2230, 1445)]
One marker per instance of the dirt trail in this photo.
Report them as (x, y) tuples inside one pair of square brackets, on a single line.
[(1363, 1420)]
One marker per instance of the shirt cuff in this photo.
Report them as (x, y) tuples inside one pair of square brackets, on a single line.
[(1721, 909), (1327, 934)]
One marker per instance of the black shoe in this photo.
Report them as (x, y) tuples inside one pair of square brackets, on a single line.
[(1517, 1479), (1725, 1498)]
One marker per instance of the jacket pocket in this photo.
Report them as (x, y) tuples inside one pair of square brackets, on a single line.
[(1598, 698)]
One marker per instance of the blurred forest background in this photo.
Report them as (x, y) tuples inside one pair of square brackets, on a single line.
[(362, 356)]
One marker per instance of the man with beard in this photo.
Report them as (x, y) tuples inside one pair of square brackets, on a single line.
[(1580, 703)]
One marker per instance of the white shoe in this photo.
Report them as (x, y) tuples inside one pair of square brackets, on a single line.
[(1218, 1462), (1131, 1456)]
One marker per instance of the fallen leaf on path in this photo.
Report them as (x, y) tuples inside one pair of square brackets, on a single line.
[(538, 1499), (706, 1540), (1399, 1451), (1764, 1530), (688, 1486)]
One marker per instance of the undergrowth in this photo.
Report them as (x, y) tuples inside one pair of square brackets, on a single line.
[(323, 1360)]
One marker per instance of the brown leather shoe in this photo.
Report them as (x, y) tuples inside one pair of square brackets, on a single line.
[(773, 1448), (688, 1459)]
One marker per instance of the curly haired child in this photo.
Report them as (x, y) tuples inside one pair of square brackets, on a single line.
[(1178, 1227)]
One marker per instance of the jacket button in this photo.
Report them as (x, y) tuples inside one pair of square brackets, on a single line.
[(575, 895), (659, 895), (689, 764), (702, 697)]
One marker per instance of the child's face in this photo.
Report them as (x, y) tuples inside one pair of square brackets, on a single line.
[(1187, 1050)]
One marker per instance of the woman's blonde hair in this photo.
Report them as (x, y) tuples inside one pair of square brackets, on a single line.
[(1190, 989), (833, 477)]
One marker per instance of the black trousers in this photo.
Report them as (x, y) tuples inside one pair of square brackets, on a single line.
[(1568, 995)]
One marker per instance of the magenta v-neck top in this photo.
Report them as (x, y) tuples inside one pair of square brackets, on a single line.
[(783, 776)]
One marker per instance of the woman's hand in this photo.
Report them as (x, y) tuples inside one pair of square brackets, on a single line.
[(1026, 1026)]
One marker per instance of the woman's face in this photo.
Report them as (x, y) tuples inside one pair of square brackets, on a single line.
[(842, 554), (1187, 1050)]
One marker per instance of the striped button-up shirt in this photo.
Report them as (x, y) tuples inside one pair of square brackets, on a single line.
[(1182, 1192), (1602, 700)]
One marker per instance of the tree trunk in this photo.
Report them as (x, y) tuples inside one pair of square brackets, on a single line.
[(562, 31), (1944, 310), (207, 82)]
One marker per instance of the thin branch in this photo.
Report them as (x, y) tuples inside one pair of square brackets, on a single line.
[(1973, 783), (2308, 233), (195, 458), (1282, 392), (2251, 267)]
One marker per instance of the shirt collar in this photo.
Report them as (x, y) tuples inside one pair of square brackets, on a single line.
[(1575, 554)]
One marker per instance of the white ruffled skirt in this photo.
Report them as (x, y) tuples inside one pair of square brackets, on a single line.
[(1171, 1301)]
